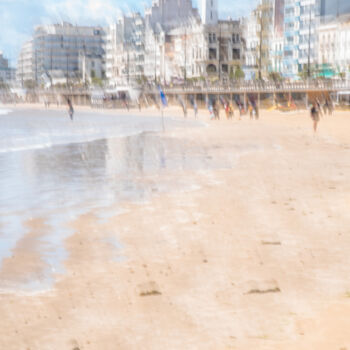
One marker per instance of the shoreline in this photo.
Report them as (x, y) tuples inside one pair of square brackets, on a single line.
[(252, 259)]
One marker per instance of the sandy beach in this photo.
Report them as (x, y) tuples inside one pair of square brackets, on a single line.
[(249, 253)]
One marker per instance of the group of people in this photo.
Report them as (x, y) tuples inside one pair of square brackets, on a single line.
[(214, 109)]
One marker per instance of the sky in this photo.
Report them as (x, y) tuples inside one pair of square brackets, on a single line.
[(19, 17)]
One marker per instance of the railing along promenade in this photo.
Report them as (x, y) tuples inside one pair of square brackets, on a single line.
[(260, 87)]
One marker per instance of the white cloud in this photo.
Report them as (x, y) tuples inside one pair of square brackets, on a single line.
[(11, 36), (82, 11)]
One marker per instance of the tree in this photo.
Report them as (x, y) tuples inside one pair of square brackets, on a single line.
[(275, 76), (29, 84), (3, 84), (232, 74), (342, 75), (97, 81), (239, 74)]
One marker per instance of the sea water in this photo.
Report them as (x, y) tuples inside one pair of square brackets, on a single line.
[(57, 169)]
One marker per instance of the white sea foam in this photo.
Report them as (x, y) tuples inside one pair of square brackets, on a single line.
[(5, 111), (23, 144)]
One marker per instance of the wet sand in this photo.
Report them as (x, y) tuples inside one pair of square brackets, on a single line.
[(252, 257)]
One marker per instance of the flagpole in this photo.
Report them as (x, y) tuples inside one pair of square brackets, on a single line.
[(163, 102), (162, 113)]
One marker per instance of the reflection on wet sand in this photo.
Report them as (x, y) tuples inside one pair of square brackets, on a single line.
[(65, 181)]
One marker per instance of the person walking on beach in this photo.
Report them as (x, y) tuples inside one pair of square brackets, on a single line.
[(319, 108), (139, 104), (211, 112), (256, 110), (216, 110), (230, 110), (328, 107), (251, 110), (314, 116), (70, 108), (227, 110), (195, 109), (184, 109)]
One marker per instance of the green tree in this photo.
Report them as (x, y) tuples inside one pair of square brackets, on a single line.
[(29, 84), (275, 76), (239, 74), (342, 75), (97, 81)]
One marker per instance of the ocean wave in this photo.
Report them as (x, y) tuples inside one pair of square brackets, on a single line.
[(39, 143)]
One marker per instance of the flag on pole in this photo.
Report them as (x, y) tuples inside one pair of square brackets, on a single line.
[(163, 97)]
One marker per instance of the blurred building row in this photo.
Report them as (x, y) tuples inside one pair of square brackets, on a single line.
[(172, 43), (6, 72)]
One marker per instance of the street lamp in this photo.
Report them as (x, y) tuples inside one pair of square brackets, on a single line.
[(260, 44), (309, 51), (67, 54)]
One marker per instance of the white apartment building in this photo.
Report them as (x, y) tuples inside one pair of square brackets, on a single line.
[(25, 71), (170, 14), (301, 20), (260, 39), (54, 51), (334, 44), (210, 12), (125, 50), (252, 40), (161, 18), (277, 37), (194, 49), (91, 66)]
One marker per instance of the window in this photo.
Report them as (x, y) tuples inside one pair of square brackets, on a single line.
[(212, 38), (212, 54), (236, 55), (211, 68)]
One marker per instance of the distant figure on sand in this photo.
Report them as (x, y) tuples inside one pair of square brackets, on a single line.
[(319, 108), (314, 116), (256, 110), (216, 110), (194, 105), (195, 109), (231, 112), (328, 107), (251, 110), (227, 110), (70, 108), (184, 109), (211, 112)]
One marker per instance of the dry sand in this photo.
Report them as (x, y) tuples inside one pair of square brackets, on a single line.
[(257, 258)]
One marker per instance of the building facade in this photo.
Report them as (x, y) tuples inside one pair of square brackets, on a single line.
[(334, 46), (301, 20), (277, 38), (125, 48), (190, 48), (259, 35), (207, 51), (170, 14), (91, 66), (330, 9), (7, 74), (54, 51)]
